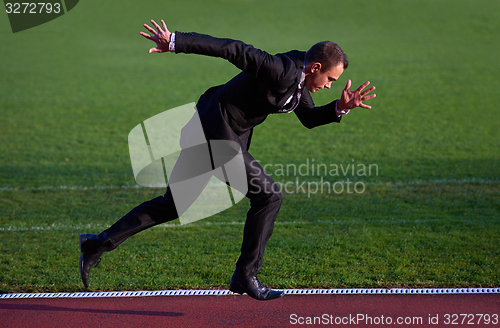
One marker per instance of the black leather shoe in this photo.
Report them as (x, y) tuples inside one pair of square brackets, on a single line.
[(90, 256), (253, 287)]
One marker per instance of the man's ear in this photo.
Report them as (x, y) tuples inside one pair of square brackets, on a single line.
[(316, 67)]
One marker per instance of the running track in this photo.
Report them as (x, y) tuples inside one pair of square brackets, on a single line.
[(293, 310)]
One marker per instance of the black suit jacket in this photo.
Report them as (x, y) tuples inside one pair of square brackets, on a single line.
[(262, 88)]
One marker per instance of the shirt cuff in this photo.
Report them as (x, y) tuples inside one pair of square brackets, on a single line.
[(340, 112), (171, 44)]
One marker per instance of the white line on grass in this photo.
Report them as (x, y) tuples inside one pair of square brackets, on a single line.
[(88, 227), (101, 226), (91, 226), (135, 186), (77, 188)]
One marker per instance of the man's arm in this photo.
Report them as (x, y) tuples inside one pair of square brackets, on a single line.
[(311, 116), (255, 62)]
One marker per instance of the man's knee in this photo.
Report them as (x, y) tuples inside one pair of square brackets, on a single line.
[(276, 197), (273, 197)]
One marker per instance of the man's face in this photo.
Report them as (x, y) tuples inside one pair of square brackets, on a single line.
[(318, 79)]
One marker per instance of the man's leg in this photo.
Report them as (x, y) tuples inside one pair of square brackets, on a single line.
[(148, 214), (258, 229), (192, 162), (265, 201)]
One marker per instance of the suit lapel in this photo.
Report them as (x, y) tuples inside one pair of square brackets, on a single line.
[(293, 91)]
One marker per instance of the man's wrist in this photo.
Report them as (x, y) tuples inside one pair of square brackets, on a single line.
[(340, 111), (171, 44)]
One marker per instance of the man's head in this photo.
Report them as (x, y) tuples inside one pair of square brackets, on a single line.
[(325, 62)]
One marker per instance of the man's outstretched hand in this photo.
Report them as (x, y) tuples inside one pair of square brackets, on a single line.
[(160, 36), (353, 99)]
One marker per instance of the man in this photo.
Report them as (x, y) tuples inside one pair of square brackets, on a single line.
[(268, 84)]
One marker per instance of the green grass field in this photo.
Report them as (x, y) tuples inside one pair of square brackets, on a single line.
[(429, 216)]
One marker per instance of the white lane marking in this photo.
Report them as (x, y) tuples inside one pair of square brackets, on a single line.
[(227, 292), (135, 186)]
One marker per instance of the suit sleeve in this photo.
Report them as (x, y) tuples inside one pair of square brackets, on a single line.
[(268, 68), (311, 116)]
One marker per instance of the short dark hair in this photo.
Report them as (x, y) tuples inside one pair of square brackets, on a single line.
[(328, 53)]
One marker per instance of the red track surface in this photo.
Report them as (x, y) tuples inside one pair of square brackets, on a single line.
[(242, 311)]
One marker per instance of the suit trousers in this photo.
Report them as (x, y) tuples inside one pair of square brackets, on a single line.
[(265, 202)]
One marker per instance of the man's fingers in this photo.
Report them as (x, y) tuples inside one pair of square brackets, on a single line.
[(362, 86), (156, 25), (150, 29), (147, 36), (164, 25), (364, 92), (155, 50), (368, 97), (348, 85), (365, 106)]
